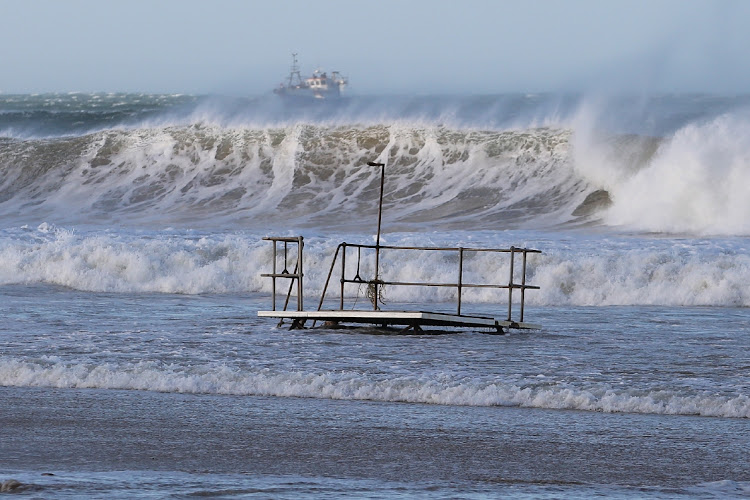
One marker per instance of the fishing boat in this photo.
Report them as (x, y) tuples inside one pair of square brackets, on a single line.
[(319, 85)]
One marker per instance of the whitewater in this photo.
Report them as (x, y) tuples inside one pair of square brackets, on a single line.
[(131, 256)]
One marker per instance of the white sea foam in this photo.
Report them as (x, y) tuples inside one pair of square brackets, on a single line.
[(108, 262), (295, 175), (585, 271), (440, 388), (694, 183), (534, 170), (722, 489)]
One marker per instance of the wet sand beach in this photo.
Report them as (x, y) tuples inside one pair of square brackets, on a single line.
[(92, 430)]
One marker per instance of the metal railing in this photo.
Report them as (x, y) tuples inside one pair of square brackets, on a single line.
[(297, 274), (341, 255), (459, 285)]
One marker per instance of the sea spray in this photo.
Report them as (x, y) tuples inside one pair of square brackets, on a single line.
[(695, 183)]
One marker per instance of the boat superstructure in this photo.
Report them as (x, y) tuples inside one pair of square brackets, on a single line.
[(320, 85)]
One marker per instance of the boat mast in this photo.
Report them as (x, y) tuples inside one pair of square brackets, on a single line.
[(294, 71)]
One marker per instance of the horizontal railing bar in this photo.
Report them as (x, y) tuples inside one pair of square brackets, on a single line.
[(280, 275), (401, 283), (515, 286), (454, 285), (281, 238), (446, 249)]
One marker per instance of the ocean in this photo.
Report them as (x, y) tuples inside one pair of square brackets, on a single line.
[(133, 362)]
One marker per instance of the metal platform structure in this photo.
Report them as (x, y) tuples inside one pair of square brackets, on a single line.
[(408, 320), (411, 320)]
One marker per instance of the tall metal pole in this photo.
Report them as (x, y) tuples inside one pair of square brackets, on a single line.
[(380, 219)]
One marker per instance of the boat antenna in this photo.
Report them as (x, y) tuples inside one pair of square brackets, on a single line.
[(294, 71), (380, 219)]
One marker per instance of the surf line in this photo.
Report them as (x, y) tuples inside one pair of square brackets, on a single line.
[(409, 321)]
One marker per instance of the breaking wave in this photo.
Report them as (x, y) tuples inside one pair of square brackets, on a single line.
[(441, 388), (489, 163), (589, 270), (301, 175), (696, 182)]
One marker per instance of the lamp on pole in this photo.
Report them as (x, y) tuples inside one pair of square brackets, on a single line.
[(377, 240)]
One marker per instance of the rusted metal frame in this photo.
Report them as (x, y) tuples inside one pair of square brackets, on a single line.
[(451, 285), (288, 292), (297, 324), (359, 261), (291, 286), (402, 283), (330, 273), (296, 275), (412, 326), (523, 285), (343, 273), (377, 241), (288, 239), (273, 278), (460, 285), (295, 239), (286, 257), (446, 249), (300, 275), (510, 285), (515, 285), (460, 277)]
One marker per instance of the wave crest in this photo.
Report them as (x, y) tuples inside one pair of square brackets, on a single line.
[(693, 182), (442, 389), (299, 175)]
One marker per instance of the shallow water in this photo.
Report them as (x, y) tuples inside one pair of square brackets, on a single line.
[(651, 360), (194, 395)]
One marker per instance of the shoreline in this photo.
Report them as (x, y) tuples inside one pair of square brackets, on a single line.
[(50, 430)]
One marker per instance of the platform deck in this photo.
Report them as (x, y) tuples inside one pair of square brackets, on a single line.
[(410, 319)]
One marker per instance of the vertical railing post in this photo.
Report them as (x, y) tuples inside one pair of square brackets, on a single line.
[(460, 276), (523, 286), (273, 279), (286, 257), (300, 288), (510, 284), (343, 275)]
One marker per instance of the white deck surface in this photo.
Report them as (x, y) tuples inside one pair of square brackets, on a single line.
[(421, 318)]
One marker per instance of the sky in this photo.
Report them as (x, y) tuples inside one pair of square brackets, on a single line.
[(244, 47)]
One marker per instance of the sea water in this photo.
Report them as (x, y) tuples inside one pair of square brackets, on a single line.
[(133, 363)]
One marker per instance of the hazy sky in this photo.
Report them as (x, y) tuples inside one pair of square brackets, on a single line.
[(385, 46)]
